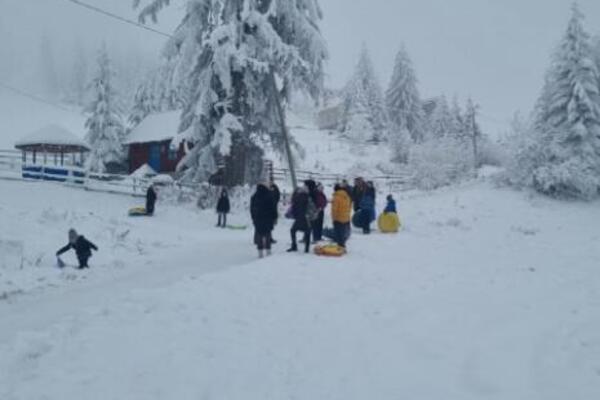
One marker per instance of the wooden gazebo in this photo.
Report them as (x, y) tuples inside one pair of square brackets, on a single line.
[(44, 154), (50, 144)]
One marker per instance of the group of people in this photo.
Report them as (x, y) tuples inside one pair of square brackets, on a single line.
[(307, 210)]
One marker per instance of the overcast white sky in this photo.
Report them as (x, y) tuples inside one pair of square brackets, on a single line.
[(493, 50)]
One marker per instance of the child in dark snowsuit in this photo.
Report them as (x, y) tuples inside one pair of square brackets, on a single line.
[(223, 208), (82, 246)]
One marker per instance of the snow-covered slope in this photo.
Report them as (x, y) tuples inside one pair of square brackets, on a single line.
[(326, 152), (486, 293), (20, 116)]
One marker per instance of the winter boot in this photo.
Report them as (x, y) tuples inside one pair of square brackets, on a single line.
[(261, 253)]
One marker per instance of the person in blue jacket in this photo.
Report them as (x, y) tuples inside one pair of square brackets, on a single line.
[(367, 210), (391, 205)]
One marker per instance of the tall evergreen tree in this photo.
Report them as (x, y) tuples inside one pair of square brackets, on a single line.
[(472, 131), (568, 119), (229, 53), (441, 123), (143, 104), (363, 99), (403, 101), (104, 123)]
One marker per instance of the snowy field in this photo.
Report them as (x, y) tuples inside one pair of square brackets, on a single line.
[(486, 293)]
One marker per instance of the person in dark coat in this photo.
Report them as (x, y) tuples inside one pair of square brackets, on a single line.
[(223, 208), (264, 215), (83, 248), (150, 199), (321, 203), (366, 214), (358, 191), (276, 193), (299, 212)]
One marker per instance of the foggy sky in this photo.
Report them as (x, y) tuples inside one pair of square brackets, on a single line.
[(493, 50)]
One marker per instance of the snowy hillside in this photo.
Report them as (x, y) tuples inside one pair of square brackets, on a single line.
[(20, 116), (486, 293)]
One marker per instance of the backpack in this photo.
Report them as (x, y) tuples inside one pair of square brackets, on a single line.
[(312, 212)]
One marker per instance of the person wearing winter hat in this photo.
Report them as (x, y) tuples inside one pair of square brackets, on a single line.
[(391, 205), (83, 248)]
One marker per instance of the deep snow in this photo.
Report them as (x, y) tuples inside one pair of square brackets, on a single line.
[(486, 293)]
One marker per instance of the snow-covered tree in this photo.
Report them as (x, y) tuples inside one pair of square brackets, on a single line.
[(403, 101), (234, 56), (472, 130), (568, 119), (441, 122), (143, 104), (363, 100), (458, 119), (104, 123)]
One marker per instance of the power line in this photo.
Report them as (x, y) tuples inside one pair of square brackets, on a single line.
[(118, 17), (32, 96)]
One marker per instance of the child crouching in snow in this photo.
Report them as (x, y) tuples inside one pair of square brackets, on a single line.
[(82, 246)]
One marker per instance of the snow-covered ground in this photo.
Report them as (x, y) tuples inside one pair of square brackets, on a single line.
[(486, 293)]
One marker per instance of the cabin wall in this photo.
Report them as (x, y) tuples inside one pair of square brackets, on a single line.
[(140, 154)]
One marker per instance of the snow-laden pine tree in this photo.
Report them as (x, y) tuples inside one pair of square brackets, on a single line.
[(472, 131), (458, 119), (104, 123), (143, 104), (441, 123), (568, 119), (362, 95), (234, 56), (403, 101)]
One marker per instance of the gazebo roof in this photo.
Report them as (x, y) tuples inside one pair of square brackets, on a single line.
[(52, 138)]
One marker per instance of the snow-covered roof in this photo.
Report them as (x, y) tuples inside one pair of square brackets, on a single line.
[(53, 135), (155, 128)]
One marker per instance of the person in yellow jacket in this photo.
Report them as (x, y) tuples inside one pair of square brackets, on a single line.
[(341, 208)]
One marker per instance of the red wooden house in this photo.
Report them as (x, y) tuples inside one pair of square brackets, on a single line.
[(150, 143)]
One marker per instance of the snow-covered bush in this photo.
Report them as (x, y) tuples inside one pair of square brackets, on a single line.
[(570, 179), (440, 162)]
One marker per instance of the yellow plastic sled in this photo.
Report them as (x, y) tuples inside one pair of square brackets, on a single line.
[(137, 212), (329, 250), (389, 223)]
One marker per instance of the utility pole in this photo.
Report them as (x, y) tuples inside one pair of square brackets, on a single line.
[(284, 129)]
